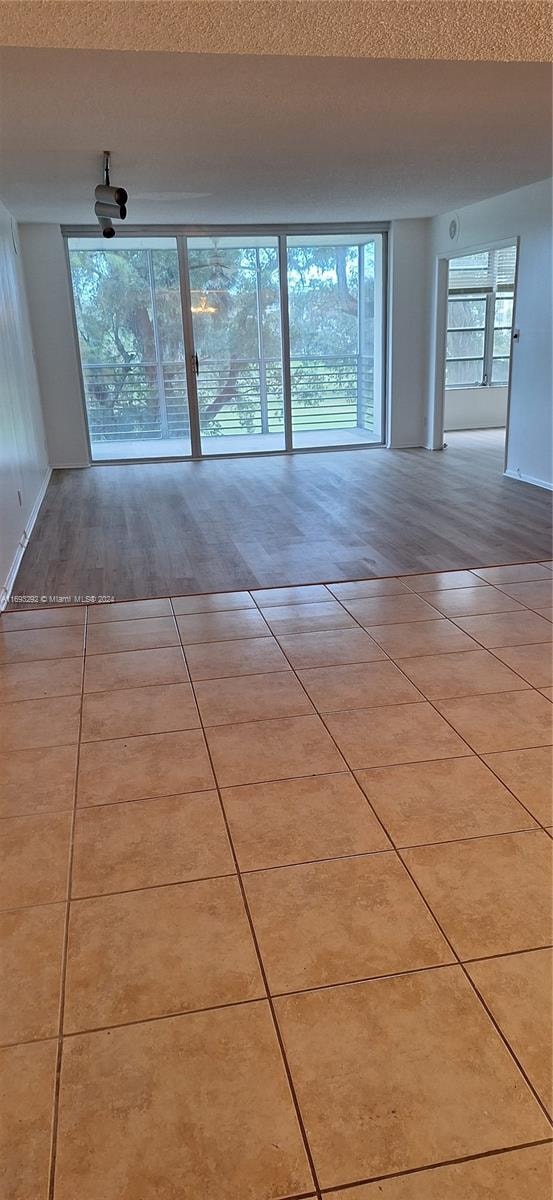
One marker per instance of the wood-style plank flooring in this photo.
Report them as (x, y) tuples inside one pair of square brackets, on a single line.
[(159, 529)]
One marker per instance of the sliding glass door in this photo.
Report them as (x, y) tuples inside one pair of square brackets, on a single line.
[(235, 304), (129, 324), (195, 345)]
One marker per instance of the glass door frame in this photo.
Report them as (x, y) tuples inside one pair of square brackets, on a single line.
[(282, 232)]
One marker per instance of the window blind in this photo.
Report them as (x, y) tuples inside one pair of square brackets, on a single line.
[(491, 270)]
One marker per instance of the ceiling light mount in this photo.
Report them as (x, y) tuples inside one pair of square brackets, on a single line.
[(111, 202)]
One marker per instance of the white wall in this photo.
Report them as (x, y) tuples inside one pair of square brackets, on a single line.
[(475, 408), (58, 364), (51, 312), (416, 247), (408, 335), (523, 214), (24, 470)]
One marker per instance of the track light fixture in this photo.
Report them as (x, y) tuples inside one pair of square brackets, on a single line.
[(111, 202)]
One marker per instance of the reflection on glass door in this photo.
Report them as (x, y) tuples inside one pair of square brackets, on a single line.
[(235, 301), (335, 296), (129, 322)]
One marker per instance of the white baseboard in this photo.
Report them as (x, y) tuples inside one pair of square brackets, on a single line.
[(541, 483), (406, 446), (8, 585), (473, 428), (70, 466)]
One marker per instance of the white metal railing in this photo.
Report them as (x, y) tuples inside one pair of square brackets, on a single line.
[(146, 401)]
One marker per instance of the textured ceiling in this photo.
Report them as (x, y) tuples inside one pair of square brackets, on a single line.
[(493, 30), (221, 138)]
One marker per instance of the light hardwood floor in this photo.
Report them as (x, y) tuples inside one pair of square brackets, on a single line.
[(158, 529)]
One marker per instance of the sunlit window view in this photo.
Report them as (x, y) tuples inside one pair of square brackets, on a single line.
[(140, 400)]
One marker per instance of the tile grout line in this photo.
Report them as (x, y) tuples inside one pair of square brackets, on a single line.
[(280, 779), (476, 958), (101, 692), (462, 964), (349, 771), (521, 645), (414, 657), (535, 562), (388, 657), (341, 983), (506, 785), (509, 613), (490, 612), (257, 606), (370, 807), (304, 862), (480, 997), (326, 712), (63, 971), (454, 952), (295, 671), (261, 999), (283, 633), (263, 974), (448, 1162), (480, 754), (471, 751)]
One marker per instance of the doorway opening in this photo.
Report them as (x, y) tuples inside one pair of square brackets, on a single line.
[(479, 331), (203, 344)]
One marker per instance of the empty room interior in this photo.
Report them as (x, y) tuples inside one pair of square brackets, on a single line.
[(276, 588)]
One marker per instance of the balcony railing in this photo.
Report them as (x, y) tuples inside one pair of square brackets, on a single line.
[(146, 401)]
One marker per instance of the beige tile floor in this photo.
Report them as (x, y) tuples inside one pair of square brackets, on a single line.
[(275, 897)]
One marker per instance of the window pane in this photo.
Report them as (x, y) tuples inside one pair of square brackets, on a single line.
[(466, 345), (502, 342), (464, 374), (500, 370), (466, 313), (323, 283), (472, 270), (503, 311), (113, 305), (234, 285), (129, 323), (165, 269), (335, 307), (470, 262)]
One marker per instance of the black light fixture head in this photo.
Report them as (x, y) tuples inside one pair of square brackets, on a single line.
[(106, 226), (111, 202)]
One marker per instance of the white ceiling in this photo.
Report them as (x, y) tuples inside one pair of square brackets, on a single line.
[(446, 29), (222, 138)]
